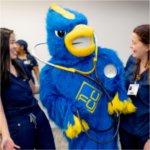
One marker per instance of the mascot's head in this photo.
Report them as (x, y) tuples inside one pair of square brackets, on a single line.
[(68, 35)]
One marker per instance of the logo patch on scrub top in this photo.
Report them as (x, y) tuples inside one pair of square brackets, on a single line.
[(27, 62), (89, 95)]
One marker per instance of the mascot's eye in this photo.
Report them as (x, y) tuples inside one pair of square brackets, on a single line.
[(60, 33)]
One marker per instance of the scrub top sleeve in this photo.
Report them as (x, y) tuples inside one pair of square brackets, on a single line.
[(34, 61), (130, 61)]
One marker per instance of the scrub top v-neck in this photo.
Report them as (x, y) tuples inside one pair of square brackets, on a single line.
[(18, 94)]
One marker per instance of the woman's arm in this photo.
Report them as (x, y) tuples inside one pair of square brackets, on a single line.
[(147, 145), (36, 72), (3, 123), (7, 143), (34, 88), (35, 68)]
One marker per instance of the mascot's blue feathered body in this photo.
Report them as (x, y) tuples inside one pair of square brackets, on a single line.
[(83, 87)]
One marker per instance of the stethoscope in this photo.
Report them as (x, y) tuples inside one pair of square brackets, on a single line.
[(97, 81)]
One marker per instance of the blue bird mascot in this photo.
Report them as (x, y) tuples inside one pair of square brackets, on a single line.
[(82, 88)]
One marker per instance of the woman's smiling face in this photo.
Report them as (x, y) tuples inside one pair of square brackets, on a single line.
[(12, 47), (138, 48)]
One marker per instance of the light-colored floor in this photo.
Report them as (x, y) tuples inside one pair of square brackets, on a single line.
[(60, 141)]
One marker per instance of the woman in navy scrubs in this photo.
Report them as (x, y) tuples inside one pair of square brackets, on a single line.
[(28, 60), (134, 130), (28, 126)]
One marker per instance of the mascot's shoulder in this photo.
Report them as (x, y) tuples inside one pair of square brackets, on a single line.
[(49, 73), (107, 54), (46, 72)]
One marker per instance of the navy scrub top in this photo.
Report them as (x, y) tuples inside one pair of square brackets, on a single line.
[(138, 122), (30, 62), (18, 94)]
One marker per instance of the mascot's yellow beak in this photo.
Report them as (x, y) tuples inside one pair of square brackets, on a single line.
[(80, 41)]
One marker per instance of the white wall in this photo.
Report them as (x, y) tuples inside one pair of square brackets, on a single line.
[(113, 21)]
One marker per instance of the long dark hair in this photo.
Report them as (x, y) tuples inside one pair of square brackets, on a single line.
[(5, 58), (143, 32)]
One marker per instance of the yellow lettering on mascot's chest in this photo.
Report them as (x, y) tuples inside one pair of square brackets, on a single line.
[(89, 95)]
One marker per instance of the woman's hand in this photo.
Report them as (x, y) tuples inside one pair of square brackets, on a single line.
[(34, 88), (147, 145), (8, 144)]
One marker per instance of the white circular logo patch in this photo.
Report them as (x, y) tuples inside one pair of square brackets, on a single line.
[(110, 71)]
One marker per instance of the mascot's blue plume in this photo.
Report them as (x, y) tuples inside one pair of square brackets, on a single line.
[(84, 88)]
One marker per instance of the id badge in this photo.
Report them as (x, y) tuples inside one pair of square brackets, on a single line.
[(27, 62), (133, 89)]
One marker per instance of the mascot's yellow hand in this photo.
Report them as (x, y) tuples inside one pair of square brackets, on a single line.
[(118, 106), (128, 107), (115, 106), (74, 130)]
